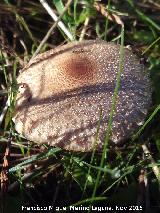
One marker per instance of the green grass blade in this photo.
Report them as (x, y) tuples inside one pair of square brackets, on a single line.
[(151, 45), (108, 132), (146, 123), (41, 156)]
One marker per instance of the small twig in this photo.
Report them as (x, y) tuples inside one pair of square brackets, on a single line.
[(17, 145), (3, 92), (153, 163), (13, 155)]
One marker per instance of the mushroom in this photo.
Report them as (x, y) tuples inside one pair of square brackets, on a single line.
[(63, 91)]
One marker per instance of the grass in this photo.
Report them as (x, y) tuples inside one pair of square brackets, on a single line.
[(41, 175)]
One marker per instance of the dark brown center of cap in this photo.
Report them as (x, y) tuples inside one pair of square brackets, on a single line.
[(78, 68)]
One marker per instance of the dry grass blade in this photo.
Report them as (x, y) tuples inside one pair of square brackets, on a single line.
[(112, 17), (84, 29), (156, 4), (55, 18), (52, 28), (4, 112)]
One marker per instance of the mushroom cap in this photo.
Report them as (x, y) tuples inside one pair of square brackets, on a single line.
[(63, 91)]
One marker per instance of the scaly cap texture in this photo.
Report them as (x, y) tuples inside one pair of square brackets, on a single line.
[(63, 91)]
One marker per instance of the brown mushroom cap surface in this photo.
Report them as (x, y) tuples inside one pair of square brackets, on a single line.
[(63, 91)]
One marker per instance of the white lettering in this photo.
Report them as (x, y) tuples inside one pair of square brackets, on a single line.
[(23, 207), (79, 208), (51, 207)]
